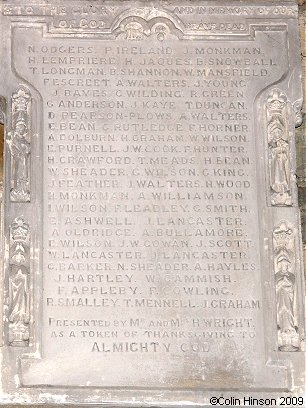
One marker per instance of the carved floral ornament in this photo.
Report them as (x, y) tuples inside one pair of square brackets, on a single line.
[(136, 31), (285, 286), (19, 284), (141, 26)]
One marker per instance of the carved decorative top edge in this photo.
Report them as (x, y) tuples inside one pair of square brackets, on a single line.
[(184, 21)]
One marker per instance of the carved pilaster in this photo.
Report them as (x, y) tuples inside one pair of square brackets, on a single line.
[(280, 178), (19, 142), (2, 109), (19, 281), (285, 284)]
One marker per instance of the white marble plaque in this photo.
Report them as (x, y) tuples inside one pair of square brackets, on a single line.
[(151, 233)]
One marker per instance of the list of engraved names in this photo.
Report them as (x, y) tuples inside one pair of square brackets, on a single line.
[(149, 189)]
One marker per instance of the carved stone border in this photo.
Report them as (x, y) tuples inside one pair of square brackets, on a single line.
[(19, 142), (280, 166), (124, 33), (19, 284), (285, 271), (2, 109)]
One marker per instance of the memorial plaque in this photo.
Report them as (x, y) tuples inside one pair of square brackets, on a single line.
[(151, 234)]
